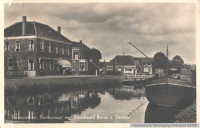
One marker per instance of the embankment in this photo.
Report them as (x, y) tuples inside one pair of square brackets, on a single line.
[(34, 86), (188, 115)]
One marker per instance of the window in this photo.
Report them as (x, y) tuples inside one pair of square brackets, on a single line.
[(149, 70), (86, 66), (128, 70), (49, 47), (30, 64), (119, 69), (41, 64), (82, 66), (7, 46), (109, 68), (75, 55), (56, 110), (56, 48), (30, 100), (62, 50), (41, 46), (49, 65), (17, 113), (67, 50), (10, 64), (17, 46), (31, 45)]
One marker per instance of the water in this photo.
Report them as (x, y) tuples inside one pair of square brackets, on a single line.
[(112, 105)]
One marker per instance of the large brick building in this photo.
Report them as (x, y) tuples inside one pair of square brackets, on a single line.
[(32, 48)]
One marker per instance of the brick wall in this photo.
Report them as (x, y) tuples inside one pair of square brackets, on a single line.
[(22, 56), (75, 66)]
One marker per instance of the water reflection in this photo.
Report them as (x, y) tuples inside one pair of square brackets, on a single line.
[(158, 114), (54, 107), (127, 93), (59, 107)]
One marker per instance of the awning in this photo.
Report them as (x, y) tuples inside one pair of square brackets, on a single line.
[(64, 63)]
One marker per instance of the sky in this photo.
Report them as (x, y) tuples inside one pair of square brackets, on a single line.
[(109, 27)]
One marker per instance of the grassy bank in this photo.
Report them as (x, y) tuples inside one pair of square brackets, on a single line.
[(34, 86), (188, 115)]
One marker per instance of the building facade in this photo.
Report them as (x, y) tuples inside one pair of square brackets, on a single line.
[(130, 65), (123, 64), (32, 48), (80, 58)]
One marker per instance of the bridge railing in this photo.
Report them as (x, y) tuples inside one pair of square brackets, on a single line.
[(136, 76)]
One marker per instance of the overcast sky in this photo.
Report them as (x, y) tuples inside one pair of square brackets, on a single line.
[(109, 27)]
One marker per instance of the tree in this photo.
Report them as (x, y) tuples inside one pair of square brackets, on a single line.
[(160, 60), (177, 62), (95, 56)]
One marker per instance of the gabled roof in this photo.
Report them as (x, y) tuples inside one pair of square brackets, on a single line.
[(79, 44), (124, 60), (144, 60), (34, 28)]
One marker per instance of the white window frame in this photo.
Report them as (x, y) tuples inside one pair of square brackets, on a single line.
[(7, 47), (42, 46), (42, 64), (82, 64), (76, 55), (62, 50), (29, 66), (49, 47), (31, 48)]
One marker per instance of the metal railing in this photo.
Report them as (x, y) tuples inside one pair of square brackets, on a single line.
[(136, 76)]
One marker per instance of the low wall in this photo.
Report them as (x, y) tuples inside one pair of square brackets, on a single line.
[(20, 73)]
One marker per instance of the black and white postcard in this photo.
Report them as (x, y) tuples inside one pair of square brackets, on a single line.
[(133, 63)]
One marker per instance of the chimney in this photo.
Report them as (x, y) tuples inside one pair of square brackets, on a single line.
[(24, 25), (59, 29), (81, 41)]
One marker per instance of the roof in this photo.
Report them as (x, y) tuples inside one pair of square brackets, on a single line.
[(124, 60), (78, 44), (35, 29), (145, 60)]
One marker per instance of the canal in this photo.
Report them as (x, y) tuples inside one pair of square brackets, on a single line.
[(94, 105)]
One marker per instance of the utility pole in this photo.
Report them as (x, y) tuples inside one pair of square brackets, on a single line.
[(167, 59)]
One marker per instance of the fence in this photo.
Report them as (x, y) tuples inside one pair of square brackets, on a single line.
[(132, 76)]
